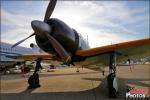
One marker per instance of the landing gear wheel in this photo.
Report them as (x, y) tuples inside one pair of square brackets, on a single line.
[(33, 81), (112, 85)]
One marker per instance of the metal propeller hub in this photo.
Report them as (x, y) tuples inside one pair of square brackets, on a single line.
[(40, 27)]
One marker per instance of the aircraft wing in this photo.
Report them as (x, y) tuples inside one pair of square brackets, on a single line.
[(131, 49), (32, 56)]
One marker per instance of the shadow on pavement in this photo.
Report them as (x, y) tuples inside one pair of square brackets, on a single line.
[(98, 93)]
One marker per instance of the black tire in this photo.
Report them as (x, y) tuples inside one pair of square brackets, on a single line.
[(33, 81), (111, 90)]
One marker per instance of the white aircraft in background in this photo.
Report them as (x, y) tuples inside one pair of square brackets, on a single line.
[(7, 53), (6, 50), (63, 42)]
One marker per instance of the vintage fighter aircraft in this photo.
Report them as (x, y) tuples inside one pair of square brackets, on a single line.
[(58, 39)]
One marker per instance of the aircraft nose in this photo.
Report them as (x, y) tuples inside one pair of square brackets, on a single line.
[(40, 27)]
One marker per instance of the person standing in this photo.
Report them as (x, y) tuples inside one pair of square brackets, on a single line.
[(130, 62)]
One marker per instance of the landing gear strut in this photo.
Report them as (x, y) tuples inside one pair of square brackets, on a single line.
[(111, 79), (33, 80)]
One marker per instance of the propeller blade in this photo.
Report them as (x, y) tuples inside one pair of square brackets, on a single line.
[(21, 41), (59, 49), (50, 9)]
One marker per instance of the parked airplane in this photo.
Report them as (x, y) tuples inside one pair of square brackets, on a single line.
[(6, 50), (58, 39)]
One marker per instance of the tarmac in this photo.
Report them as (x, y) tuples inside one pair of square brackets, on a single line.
[(67, 84)]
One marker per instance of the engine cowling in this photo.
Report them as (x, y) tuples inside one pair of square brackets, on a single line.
[(65, 35)]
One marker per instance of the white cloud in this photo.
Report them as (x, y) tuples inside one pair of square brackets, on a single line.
[(21, 27), (81, 14)]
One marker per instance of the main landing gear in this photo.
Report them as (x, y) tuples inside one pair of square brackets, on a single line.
[(111, 78), (33, 80)]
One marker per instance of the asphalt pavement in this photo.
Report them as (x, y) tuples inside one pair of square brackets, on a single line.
[(67, 84)]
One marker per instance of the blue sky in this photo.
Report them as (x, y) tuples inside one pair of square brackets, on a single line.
[(104, 22)]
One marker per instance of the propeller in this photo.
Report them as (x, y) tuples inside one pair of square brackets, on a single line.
[(59, 49), (50, 10), (22, 41), (42, 29)]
